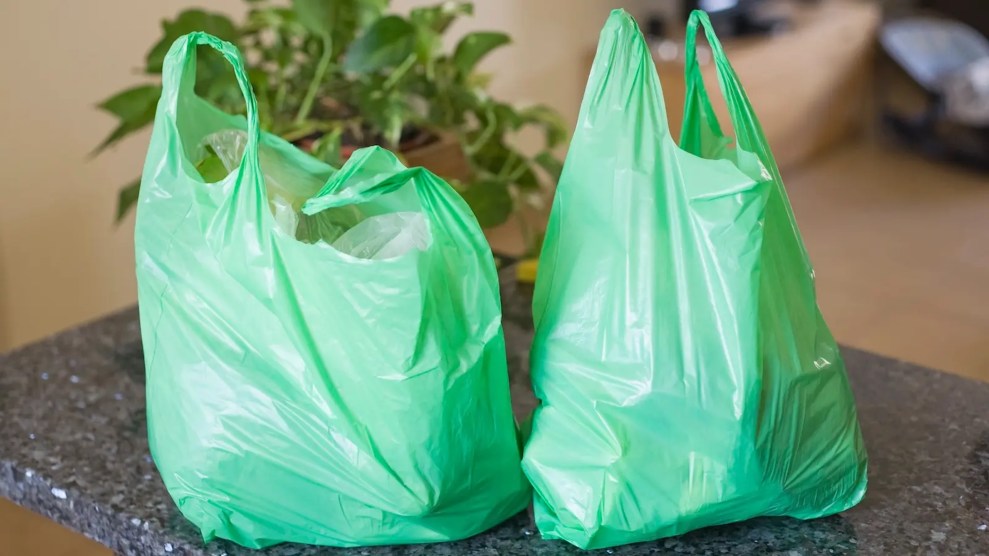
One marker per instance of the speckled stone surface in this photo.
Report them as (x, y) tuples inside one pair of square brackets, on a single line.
[(73, 447)]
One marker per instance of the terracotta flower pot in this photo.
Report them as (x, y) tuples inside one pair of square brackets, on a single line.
[(443, 156), (440, 154)]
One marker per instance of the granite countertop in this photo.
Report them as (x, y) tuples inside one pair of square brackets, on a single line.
[(73, 447)]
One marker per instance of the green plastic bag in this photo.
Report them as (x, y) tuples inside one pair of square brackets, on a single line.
[(298, 393), (685, 374)]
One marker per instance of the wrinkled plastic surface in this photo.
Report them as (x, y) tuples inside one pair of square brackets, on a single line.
[(375, 237), (685, 374), (229, 146), (384, 236), (296, 393)]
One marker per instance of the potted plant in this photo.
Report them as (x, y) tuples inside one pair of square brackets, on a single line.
[(333, 76)]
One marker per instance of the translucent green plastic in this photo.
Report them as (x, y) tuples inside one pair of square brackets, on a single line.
[(685, 374), (298, 393)]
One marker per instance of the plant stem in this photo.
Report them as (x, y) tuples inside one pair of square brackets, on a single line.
[(526, 231), (504, 173), (282, 89), (399, 72), (317, 79), (489, 130), (517, 173), (280, 94)]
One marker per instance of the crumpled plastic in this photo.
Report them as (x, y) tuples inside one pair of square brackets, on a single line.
[(685, 373), (347, 229), (385, 236)]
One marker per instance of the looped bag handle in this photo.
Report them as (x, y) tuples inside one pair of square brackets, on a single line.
[(748, 130), (178, 78)]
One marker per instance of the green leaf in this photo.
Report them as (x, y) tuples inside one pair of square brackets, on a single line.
[(340, 20), (327, 148), (211, 168), (550, 120), (507, 116), (118, 133), (386, 110), (475, 46), (322, 16), (527, 179), (127, 198), (550, 164), (428, 42), (386, 43), (438, 18), (135, 108), (132, 103), (188, 21), (283, 21), (490, 201), (368, 11), (479, 80), (216, 82), (494, 157)]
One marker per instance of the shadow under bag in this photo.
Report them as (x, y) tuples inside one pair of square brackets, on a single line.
[(300, 393), (685, 374)]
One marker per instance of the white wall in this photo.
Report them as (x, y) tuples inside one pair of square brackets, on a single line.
[(62, 260)]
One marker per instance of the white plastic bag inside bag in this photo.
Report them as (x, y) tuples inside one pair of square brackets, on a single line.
[(229, 145), (385, 236), (345, 228), (288, 188)]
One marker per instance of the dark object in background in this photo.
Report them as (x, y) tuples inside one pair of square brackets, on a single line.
[(733, 18), (972, 12), (949, 61), (655, 27)]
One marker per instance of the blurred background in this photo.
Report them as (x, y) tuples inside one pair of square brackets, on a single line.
[(879, 123)]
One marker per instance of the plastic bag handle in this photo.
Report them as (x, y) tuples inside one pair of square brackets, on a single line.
[(373, 171), (178, 78), (388, 174), (748, 130), (622, 69)]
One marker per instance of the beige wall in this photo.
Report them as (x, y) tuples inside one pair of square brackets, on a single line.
[(62, 261)]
